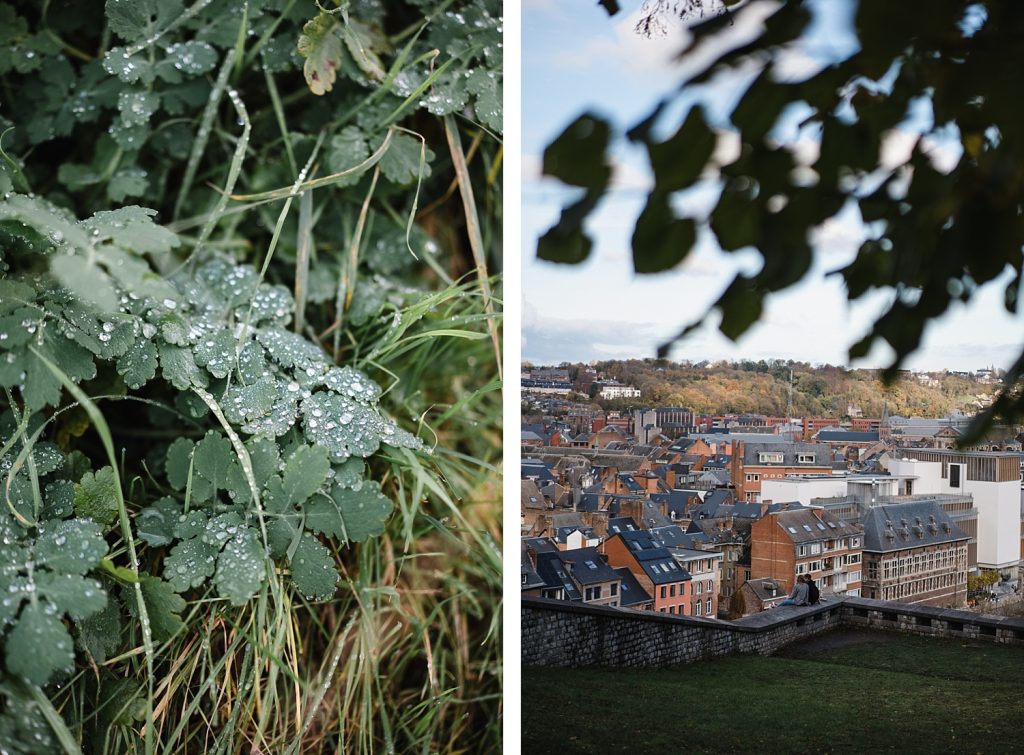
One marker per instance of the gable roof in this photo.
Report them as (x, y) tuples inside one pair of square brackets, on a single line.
[(631, 592), (655, 560), (806, 525), (790, 451)]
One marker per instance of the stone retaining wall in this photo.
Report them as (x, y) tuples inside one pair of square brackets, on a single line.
[(559, 633)]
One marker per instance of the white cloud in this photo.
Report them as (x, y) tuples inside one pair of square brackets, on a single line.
[(628, 49)]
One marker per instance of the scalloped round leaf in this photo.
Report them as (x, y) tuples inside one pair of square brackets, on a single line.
[(222, 528), (271, 305), (320, 45), (189, 564), (212, 459), (73, 594), (313, 569), (216, 352), (291, 350), (179, 368), (342, 426), (38, 646), (304, 472), (350, 515), (59, 500), (100, 634), (179, 456), (351, 382), (74, 546), (96, 496), (249, 403), (155, 524), (265, 457), (192, 524), (138, 365), (164, 606), (241, 567)]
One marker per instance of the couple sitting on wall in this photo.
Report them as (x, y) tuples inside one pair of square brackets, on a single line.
[(805, 592)]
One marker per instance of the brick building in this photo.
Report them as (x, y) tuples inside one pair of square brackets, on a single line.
[(785, 544), (754, 462), (654, 568), (915, 553), (579, 575)]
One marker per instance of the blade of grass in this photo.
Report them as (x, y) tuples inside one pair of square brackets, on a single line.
[(476, 242), (302, 246), (53, 718), (103, 430)]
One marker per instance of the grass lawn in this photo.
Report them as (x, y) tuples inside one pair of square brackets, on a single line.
[(849, 691)]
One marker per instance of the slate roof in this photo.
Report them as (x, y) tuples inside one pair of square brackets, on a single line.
[(803, 525), (913, 524), (674, 537), (822, 453), (530, 496), (631, 484), (656, 560), (762, 587), (539, 544), (621, 524), (587, 566), (846, 436), (746, 510), (718, 461), (631, 593), (552, 570), (533, 580), (562, 533), (531, 467), (676, 502)]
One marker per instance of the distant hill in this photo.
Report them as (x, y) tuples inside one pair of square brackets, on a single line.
[(763, 388)]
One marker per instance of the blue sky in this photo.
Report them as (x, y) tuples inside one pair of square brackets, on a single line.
[(575, 58)]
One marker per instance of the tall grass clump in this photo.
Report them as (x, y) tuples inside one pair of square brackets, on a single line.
[(250, 376)]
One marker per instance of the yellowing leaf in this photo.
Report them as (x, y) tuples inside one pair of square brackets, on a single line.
[(320, 45)]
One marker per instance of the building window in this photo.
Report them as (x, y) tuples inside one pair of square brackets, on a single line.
[(672, 591), (614, 589), (664, 592), (854, 576), (711, 585), (753, 478), (770, 457), (698, 586), (697, 608), (524, 579), (709, 607), (671, 609), (955, 471), (805, 458)]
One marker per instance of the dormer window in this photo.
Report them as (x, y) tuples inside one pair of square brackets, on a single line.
[(770, 457), (805, 458)]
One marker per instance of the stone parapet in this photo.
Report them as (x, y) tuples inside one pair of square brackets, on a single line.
[(559, 633)]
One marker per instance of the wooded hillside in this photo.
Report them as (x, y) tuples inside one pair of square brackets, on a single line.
[(763, 388)]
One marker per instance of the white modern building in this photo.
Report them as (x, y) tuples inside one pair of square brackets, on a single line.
[(992, 479), (618, 390)]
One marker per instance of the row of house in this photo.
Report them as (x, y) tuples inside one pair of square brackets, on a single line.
[(763, 510)]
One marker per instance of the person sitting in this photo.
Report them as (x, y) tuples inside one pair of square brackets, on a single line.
[(813, 593), (799, 595)]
